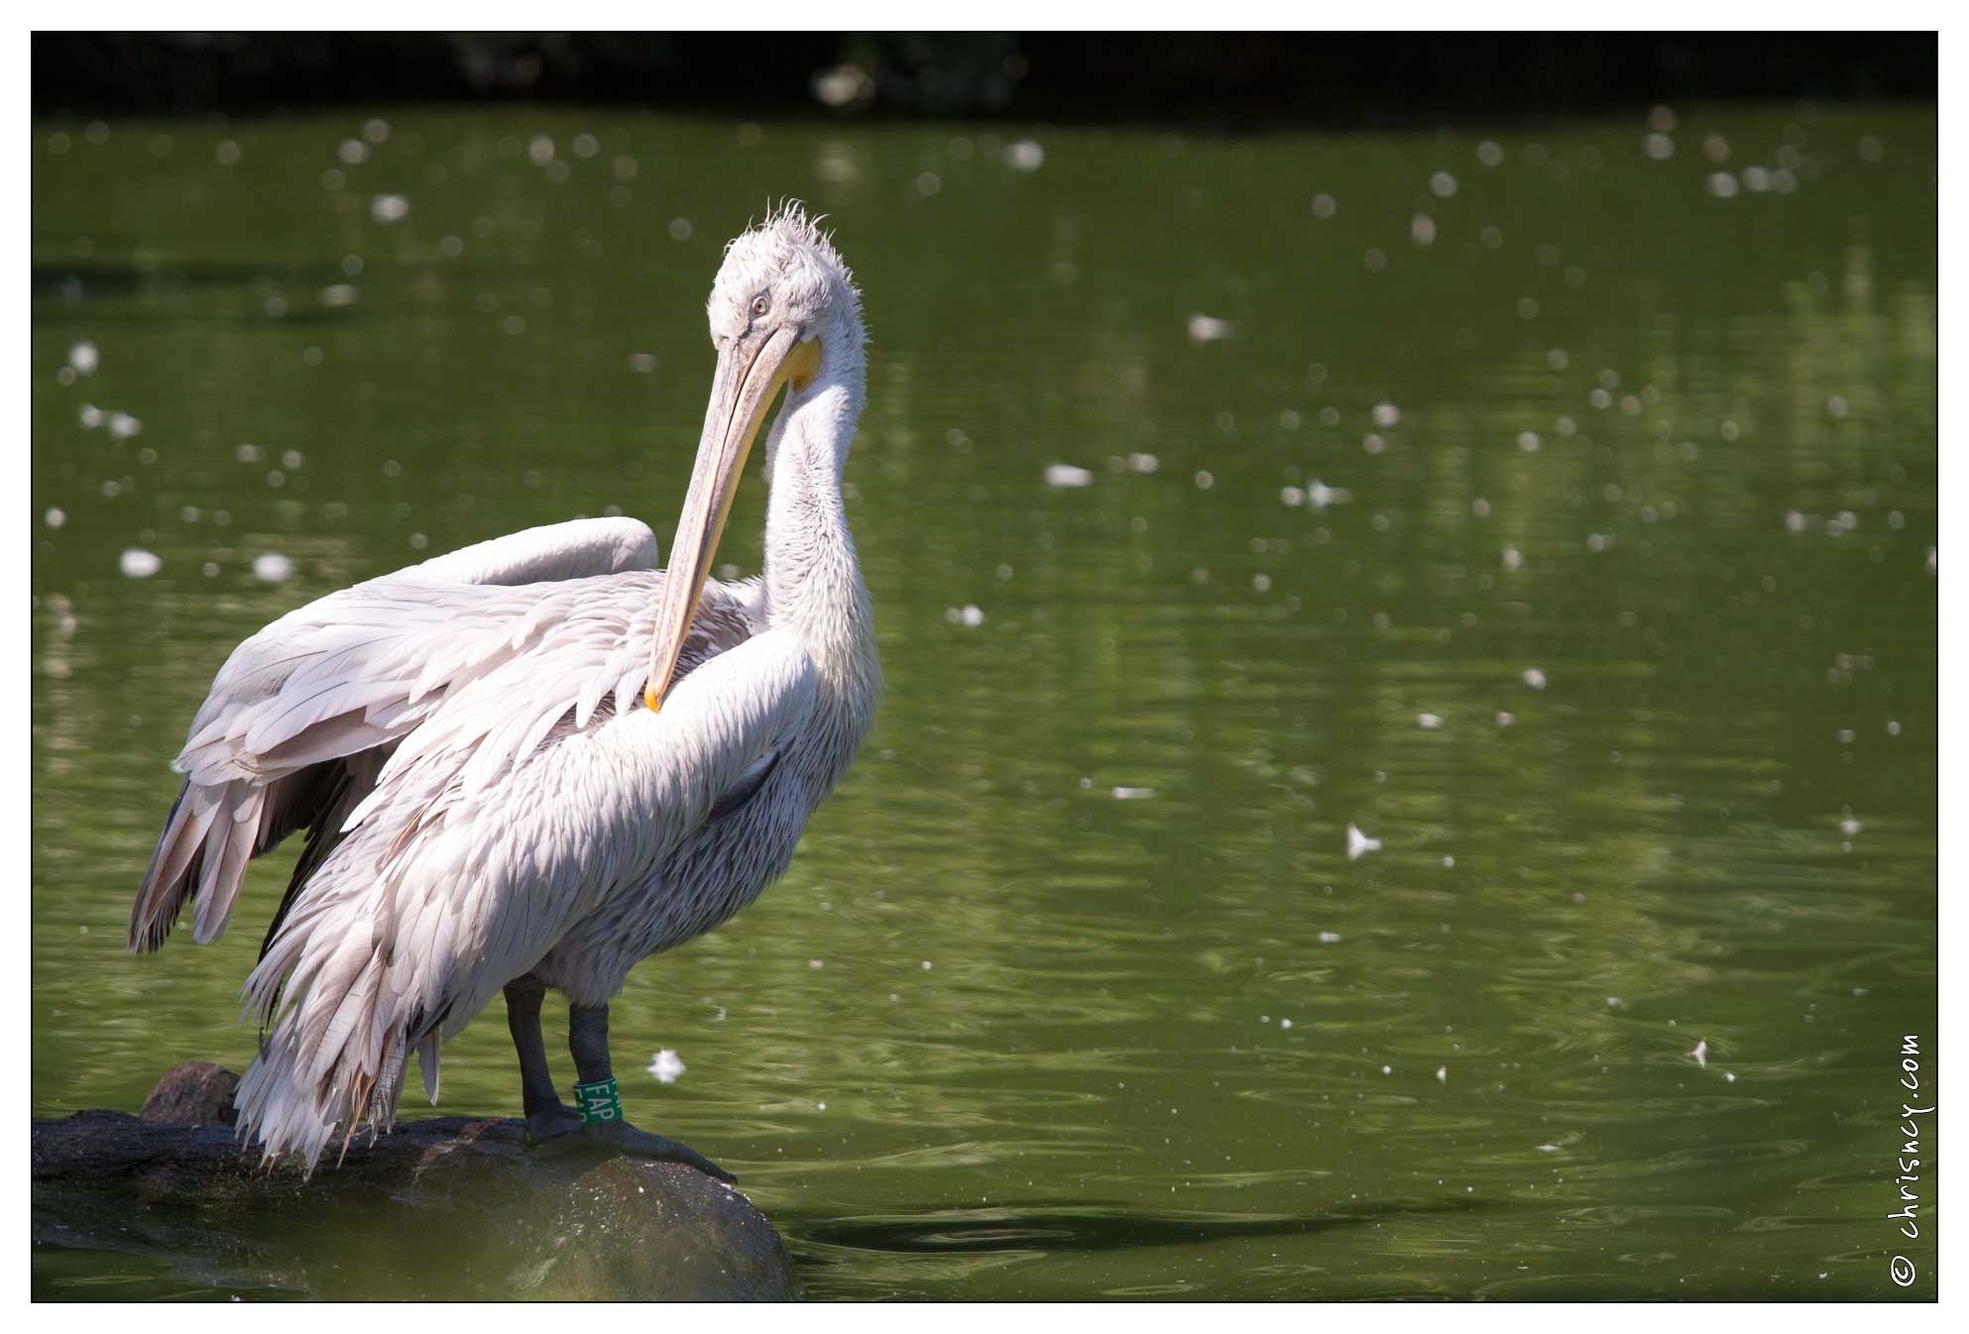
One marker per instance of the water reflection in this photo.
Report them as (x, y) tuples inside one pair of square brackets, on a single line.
[(1007, 1244)]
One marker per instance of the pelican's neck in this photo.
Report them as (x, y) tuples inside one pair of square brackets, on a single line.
[(813, 579)]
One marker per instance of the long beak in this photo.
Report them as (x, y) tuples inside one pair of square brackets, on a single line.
[(749, 375)]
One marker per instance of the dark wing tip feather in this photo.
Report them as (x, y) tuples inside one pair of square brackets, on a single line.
[(159, 901)]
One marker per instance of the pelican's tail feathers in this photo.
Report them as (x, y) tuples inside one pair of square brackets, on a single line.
[(427, 1064), (389, 1083), (343, 1020)]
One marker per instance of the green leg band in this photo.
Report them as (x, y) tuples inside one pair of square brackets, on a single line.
[(598, 1102)]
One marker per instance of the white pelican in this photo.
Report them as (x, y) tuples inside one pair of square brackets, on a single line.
[(532, 762)]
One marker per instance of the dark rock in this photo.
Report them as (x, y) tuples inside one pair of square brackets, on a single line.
[(194, 1093), (447, 1207)]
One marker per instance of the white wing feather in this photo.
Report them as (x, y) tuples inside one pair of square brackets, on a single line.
[(323, 683)]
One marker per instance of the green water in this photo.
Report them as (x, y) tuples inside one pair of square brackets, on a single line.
[(1016, 1024)]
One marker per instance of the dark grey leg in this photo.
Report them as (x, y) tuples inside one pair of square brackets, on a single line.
[(587, 1042), (546, 1115)]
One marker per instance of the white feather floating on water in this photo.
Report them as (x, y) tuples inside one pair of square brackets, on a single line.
[(1205, 329), (1319, 495), (1024, 155)]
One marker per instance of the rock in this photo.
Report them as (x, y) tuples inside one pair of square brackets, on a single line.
[(448, 1207), (194, 1093)]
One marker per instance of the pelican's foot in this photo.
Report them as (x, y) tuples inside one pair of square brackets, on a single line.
[(617, 1137), (551, 1123), (625, 1138)]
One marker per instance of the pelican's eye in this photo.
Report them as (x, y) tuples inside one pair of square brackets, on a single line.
[(760, 305)]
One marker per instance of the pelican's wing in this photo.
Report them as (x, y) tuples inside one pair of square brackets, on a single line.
[(530, 798), (302, 716), (557, 551)]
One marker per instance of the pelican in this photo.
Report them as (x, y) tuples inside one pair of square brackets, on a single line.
[(530, 763)]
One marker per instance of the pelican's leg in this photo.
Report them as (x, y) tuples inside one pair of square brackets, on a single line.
[(546, 1115), (587, 1041)]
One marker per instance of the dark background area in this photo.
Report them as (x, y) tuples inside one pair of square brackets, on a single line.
[(1330, 80)]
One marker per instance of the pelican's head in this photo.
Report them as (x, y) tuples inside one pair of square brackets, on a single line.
[(784, 313), (785, 275)]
